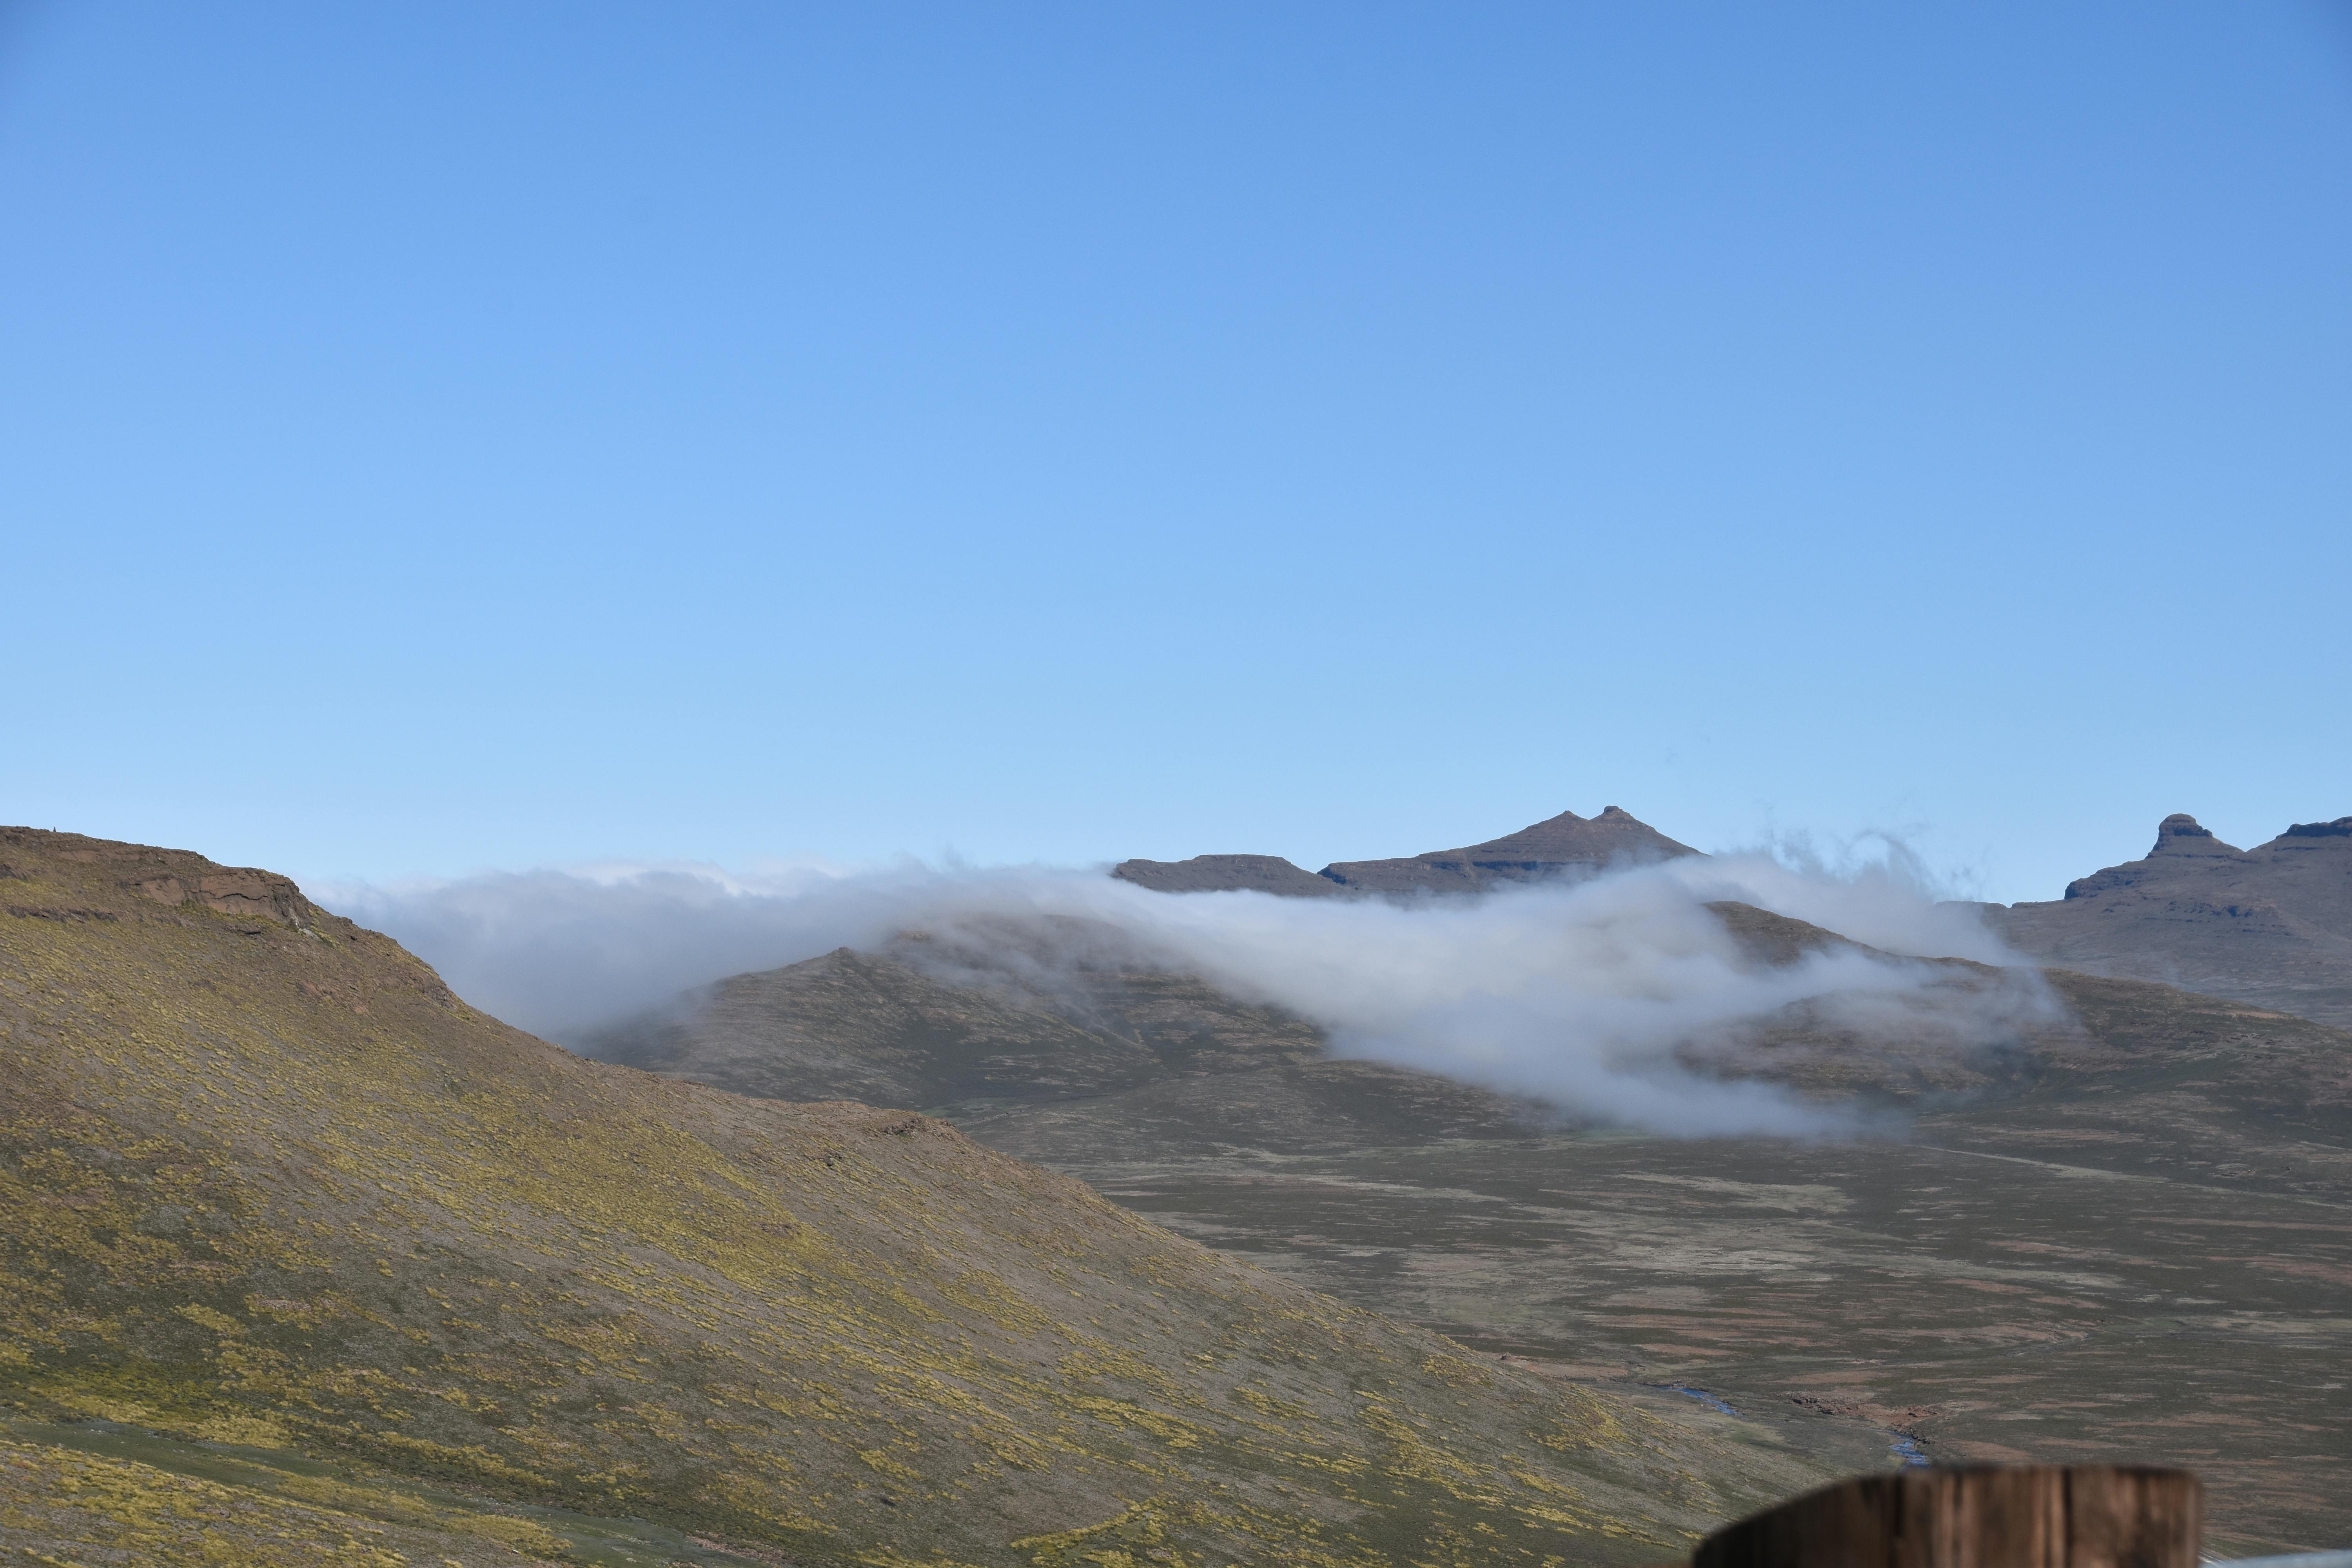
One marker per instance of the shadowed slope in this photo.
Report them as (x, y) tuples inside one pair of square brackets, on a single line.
[(264, 1182), (854, 1025), (1169, 1048)]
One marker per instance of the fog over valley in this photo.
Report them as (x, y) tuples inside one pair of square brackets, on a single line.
[(1573, 992)]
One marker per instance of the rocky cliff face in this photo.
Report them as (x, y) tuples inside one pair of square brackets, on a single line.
[(2271, 924)]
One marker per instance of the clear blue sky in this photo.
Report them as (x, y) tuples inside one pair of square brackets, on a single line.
[(437, 437)]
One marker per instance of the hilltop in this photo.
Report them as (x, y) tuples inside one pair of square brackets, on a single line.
[(1566, 845), (302, 1258), (2272, 924), (1111, 1052)]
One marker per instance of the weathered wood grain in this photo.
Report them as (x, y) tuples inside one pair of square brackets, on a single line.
[(2072, 1516)]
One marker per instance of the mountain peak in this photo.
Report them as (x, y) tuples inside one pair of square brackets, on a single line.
[(1568, 839), (2272, 924), (2181, 833), (1563, 844), (1566, 844)]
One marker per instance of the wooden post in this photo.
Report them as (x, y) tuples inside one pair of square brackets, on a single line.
[(2070, 1516)]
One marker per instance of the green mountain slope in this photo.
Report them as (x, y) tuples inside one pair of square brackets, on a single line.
[(272, 1201)]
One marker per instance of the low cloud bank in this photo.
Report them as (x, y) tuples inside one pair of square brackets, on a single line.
[(1573, 994)]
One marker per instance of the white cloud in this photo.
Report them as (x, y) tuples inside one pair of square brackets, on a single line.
[(1576, 994)]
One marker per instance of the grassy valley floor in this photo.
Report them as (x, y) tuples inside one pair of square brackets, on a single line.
[(1985, 1307)]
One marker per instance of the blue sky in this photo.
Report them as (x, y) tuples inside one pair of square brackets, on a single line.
[(439, 437)]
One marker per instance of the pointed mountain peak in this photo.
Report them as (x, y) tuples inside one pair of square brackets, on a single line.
[(1615, 834), (1567, 844)]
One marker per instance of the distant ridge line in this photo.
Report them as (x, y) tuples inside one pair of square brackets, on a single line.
[(2272, 924), (1566, 845)]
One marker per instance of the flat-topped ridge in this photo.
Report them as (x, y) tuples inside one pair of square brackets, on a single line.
[(1225, 873), (1566, 845)]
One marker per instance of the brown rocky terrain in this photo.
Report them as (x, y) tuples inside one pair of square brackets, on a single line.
[(304, 1260), (2272, 924)]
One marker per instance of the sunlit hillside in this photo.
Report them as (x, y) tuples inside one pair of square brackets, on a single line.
[(306, 1260)]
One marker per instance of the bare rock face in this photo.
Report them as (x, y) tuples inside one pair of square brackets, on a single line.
[(174, 878), (2181, 833), (2272, 924)]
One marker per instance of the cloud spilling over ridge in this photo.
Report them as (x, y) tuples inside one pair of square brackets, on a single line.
[(1576, 994)]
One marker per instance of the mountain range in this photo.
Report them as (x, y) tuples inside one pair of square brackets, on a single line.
[(2272, 924), (1016, 1246), (2117, 1234)]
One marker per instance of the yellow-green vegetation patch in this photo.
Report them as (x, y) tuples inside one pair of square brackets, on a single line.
[(62, 1506), (121, 1489)]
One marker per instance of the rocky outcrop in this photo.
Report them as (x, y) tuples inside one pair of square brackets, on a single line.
[(2272, 924), (2178, 838), (174, 878)]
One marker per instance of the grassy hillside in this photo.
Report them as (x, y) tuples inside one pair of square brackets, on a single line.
[(302, 1260)]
